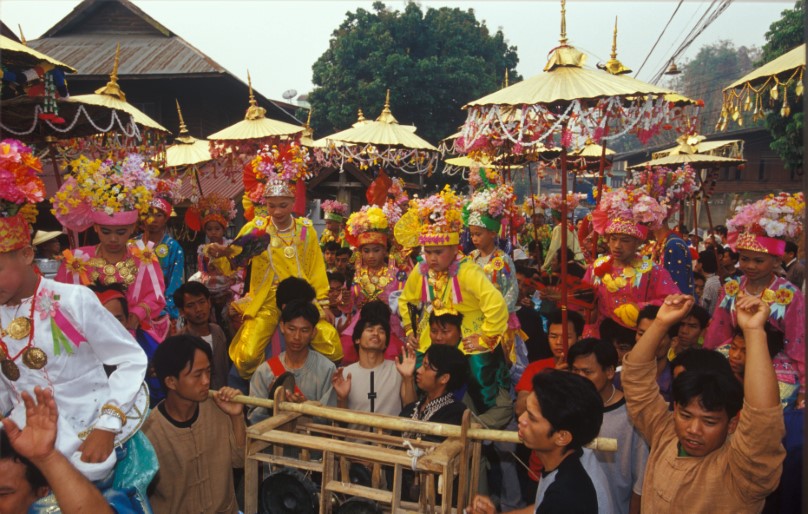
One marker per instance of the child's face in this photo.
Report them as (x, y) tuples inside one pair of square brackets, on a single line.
[(698, 287), (373, 255), (196, 309), (214, 231), (156, 221), (444, 333), (482, 238), (114, 237), (332, 226), (737, 355), (330, 257), (439, 258), (115, 307)]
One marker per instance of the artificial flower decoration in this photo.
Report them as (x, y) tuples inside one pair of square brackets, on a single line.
[(276, 170), (489, 208), (533, 205), (368, 225), (334, 210), (764, 225), (627, 211), (668, 186), (435, 221), (212, 207), (106, 188), (20, 181)]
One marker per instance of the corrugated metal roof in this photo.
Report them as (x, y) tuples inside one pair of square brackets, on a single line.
[(212, 182), (140, 55)]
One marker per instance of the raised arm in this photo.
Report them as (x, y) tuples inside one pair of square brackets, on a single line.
[(759, 383)]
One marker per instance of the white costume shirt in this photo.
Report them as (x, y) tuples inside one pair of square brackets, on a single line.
[(76, 376)]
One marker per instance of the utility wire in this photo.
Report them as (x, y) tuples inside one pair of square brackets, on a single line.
[(660, 37)]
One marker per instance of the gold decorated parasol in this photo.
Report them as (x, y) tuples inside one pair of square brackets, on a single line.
[(746, 93), (19, 55), (383, 143), (570, 101), (188, 151), (255, 125)]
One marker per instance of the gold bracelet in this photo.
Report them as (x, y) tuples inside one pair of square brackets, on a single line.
[(114, 411)]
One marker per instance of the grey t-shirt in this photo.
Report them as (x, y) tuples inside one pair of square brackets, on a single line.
[(596, 475), (386, 386)]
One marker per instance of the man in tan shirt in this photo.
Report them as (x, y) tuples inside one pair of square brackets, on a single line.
[(720, 449), (198, 442)]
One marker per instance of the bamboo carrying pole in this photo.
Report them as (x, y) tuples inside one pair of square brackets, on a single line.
[(396, 423)]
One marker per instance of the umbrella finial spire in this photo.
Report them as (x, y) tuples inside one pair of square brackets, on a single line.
[(387, 116), (112, 88), (360, 116), (183, 128), (506, 77), (563, 39), (308, 119), (22, 36), (613, 65), (254, 111)]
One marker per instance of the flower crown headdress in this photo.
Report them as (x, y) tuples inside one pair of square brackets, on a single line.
[(105, 192), (439, 218), (167, 194), (488, 208), (334, 210), (764, 225), (21, 188), (669, 186), (366, 226), (629, 212), (534, 204), (554, 201), (398, 193), (212, 207), (276, 170)]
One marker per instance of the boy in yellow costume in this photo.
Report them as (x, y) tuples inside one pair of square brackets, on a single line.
[(449, 282), (278, 246)]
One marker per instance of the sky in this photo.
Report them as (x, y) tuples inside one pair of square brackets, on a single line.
[(279, 40)]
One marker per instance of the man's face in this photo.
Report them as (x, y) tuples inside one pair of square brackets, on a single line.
[(444, 333), (689, 333), (757, 265), (156, 221), (426, 377), (342, 261), (694, 240), (335, 288), (332, 226), (214, 231), (555, 340), (113, 237), (525, 291), (298, 334), (115, 307), (698, 287), (280, 208), (700, 431), (535, 431), (373, 338), (588, 367), (622, 347), (196, 309), (737, 355), (330, 257), (373, 255), (193, 383), (12, 270), (16, 493), (623, 248), (439, 258)]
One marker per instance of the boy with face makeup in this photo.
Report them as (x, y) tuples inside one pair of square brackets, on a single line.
[(693, 462)]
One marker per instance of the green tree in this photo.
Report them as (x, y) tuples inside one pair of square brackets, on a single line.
[(433, 62), (784, 35)]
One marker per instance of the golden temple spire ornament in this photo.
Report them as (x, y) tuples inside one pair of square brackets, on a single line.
[(22, 36), (563, 39), (506, 77), (183, 136), (112, 88), (254, 111), (387, 116), (360, 116), (613, 65)]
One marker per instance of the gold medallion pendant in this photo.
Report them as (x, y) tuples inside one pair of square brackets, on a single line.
[(437, 304), (289, 252), (34, 358), (19, 328), (10, 370)]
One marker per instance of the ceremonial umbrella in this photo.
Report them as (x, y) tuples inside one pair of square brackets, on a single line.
[(384, 143), (188, 151), (243, 139), (576, 103), (701, 155), (746, 92)]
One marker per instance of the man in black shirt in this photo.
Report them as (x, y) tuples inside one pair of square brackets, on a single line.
[(564, 413)]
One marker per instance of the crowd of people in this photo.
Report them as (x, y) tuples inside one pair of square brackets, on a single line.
[(686, 348)]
